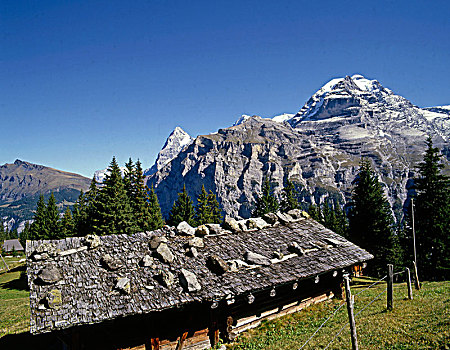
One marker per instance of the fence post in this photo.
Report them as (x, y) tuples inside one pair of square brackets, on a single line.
[(416, 282), (350, 301), (408, 282), (7, 267), (390, 287)]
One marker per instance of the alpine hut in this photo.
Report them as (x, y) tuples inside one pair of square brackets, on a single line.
[(183, 288)]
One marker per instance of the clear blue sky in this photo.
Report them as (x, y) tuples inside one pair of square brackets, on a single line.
[(81, 81)]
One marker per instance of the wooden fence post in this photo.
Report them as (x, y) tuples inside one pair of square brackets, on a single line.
[(408, 282), (390, 287), (416, 282), (7, 267), (350, 301)]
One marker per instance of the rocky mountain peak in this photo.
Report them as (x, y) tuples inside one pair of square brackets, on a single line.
[(319, 148), (177, 141)]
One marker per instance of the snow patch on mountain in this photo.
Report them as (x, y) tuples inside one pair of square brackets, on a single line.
[(283, 117), (241, 119), (100, 175), (278, 118), (175, 143)]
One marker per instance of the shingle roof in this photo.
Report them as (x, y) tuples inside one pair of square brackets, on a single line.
[(9, 244), (88, 284)]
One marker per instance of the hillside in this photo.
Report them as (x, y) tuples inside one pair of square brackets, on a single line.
[(22, 182)]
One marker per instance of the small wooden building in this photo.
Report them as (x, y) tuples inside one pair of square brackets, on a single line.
[(12, 244), (169, 289)]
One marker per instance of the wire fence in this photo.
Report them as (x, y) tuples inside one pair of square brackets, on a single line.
[(333, 314)]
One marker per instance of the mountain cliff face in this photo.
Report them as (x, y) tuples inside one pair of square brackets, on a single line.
[(175, 143), (319, 148)]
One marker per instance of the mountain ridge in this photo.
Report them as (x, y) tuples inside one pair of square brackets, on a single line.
[(319, 147)]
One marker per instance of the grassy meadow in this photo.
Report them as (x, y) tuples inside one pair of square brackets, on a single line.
[(421, 323), (14, 304)]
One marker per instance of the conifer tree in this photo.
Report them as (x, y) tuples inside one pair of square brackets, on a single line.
[(216, 212), (433, 216), (129, 180), (25, 234), (289, 197), (341, 227), (66, 224), (203, 211), (142, 204), (2, 233), (182, 209), (313, 211), (371, 220), (39, 228), (52, 218), (80, 215), (156, 220), (266, 202), (112, 212)]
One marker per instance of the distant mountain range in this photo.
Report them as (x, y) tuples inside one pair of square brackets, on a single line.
[(319, 148), (22, 182)]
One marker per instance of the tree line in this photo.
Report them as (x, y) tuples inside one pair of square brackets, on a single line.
[(120, 204), (126, 205)]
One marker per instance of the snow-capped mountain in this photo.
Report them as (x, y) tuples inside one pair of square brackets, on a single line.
[(100, 175), (241, 119), (283, 117), (278, 118), (175, 143), (319, 148)]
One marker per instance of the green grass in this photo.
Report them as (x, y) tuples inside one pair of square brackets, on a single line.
[(14, 303), (422, 323), (11, 261)]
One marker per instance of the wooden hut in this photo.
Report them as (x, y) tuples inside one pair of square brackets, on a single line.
[(10, 245), (180, 288)]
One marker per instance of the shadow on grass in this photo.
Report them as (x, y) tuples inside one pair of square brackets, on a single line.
[(18, 283), (27, 341)]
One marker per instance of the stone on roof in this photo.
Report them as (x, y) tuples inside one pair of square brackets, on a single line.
[(91, 293)]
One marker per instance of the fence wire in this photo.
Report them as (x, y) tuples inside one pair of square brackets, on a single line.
[(340, 306), (318, 329), (346, 324), (335, 311), (379, 281)]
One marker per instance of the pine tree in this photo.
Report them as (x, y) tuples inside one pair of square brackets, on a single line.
[(182, 209), (156, 220), (66, 224), (25, 234), (2, 234), (52, 218), (39, 228), (90, 206), (216, 212), (313, 211), (289, 197), (145, 206), (266, 202), (433, 216), (371, 220), (80, 215), (341, 227), (203, 211), (112, 213), (129, 180)]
